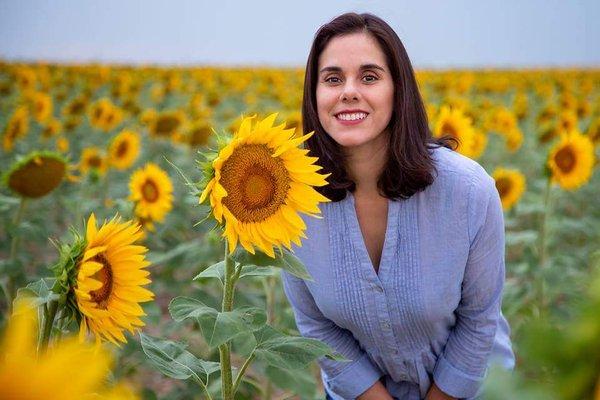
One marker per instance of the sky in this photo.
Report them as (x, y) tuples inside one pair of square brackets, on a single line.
[(436, 34)]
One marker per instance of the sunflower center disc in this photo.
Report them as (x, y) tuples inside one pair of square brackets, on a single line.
[(95, 162), (100, 296), (565, 159), (122, 148), (503, 186), (256, 183), (449, 129), (150, 191)]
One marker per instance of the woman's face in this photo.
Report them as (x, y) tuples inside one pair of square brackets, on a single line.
[(355, 90)]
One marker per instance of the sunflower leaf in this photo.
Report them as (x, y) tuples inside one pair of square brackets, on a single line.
[(218, 327), (39, 292), (290, 352), (214, 271), (173, 360), (284, 260)]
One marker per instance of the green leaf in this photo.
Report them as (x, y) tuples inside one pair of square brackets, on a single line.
[(253, 270), (299, 381), (173, 360), (285, 260), (39, 292), (290, 352), (214, 271), (218, 327)]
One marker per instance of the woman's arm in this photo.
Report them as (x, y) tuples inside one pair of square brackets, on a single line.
[(460, 370), (376, 392), (435, 393), (347, 379)]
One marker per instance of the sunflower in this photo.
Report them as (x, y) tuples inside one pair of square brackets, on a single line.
[(105, 115), (567, 120), (167, 124), (17, 127), (62, 144), (454, 123), (26, 375), (571, 160), (37, 174), (510, 184), (42, 106), (199, 134), (51, 128), (109, 280), (124, 149), (479, 143), (152, 192), (258, 182), (593, 130), (92, 159)]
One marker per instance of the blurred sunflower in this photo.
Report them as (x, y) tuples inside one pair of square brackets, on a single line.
[(124, 149), (17, 127), (105, 115), (593, 131), (25, 375), (92, 159), (454, 123), (167, 124), (567, 120), (571, 160), (258, 182), (199, 134), (62, 144), (37, 174), (510, 184), (151, 190), (51, 128), (110, 274)]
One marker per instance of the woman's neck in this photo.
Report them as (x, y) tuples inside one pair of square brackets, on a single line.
[(365, 164)]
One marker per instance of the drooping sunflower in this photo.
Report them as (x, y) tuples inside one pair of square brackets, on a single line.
[(453, 122), (571, 160), (37, 174), (26, 375), (510, 184), (124, 149), (92, 159), (152, 191), (257, 184), (17, 127), (110, 274)]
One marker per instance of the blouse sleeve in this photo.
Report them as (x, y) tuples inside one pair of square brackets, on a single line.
[(346, 379), (461, 369)]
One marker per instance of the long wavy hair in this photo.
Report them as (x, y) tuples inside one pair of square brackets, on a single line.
[(410, 167)]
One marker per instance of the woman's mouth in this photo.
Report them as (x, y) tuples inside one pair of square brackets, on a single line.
[(351, 118)]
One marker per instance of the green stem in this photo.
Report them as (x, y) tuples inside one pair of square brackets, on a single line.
[(8, 284), (49, 315), (224, 350), (203, 386), (542, 249), (240, 375)]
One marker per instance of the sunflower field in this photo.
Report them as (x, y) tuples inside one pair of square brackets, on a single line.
[(146, 213)]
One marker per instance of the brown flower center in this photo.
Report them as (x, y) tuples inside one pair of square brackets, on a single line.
[(104, 275), (122, 148), (504, 186), (565, 159), (256, 183), (449, 129), (150, 191)]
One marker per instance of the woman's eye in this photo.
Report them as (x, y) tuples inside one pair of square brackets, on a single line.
[(369, 78), (332, 79)]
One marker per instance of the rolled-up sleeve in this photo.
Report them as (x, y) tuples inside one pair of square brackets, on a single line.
[(346, 379), (462, 367)]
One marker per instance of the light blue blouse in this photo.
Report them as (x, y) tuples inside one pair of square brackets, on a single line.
[(432, 312)]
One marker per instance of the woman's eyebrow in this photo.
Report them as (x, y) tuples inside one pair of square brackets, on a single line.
[(334, 68)]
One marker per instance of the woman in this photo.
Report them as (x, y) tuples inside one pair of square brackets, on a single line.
[(408, 259)]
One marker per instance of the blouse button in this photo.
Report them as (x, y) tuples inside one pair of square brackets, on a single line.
[(386, 325), (379, 288)]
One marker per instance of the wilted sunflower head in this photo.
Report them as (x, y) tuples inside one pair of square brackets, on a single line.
[(510, 184), (124, 149), (571, 160), (102, 276), (36, 174), (258, 182)]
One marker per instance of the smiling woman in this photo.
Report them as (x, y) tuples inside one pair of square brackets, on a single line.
[(408, 259)]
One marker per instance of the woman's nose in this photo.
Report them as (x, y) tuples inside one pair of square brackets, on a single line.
[(349, 92)]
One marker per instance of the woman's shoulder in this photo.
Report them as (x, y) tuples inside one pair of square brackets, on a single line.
[(452, 168)]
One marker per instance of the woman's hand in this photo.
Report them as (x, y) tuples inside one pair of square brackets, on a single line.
[(376, 392), (436, 394)]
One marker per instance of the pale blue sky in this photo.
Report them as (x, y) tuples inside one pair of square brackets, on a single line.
[(440, 34)]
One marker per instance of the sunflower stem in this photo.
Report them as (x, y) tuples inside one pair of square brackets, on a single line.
[(240, 374), (224, 351), (49, 315), (8, 284), (542, 249)]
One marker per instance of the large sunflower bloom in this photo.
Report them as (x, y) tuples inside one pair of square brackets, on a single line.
[(572, 160), (152, 191), (70, 370), (510, 184), (453, 122), (257, 184), (110, 276)]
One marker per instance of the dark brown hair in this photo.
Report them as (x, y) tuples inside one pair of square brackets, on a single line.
[(410, 167)]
